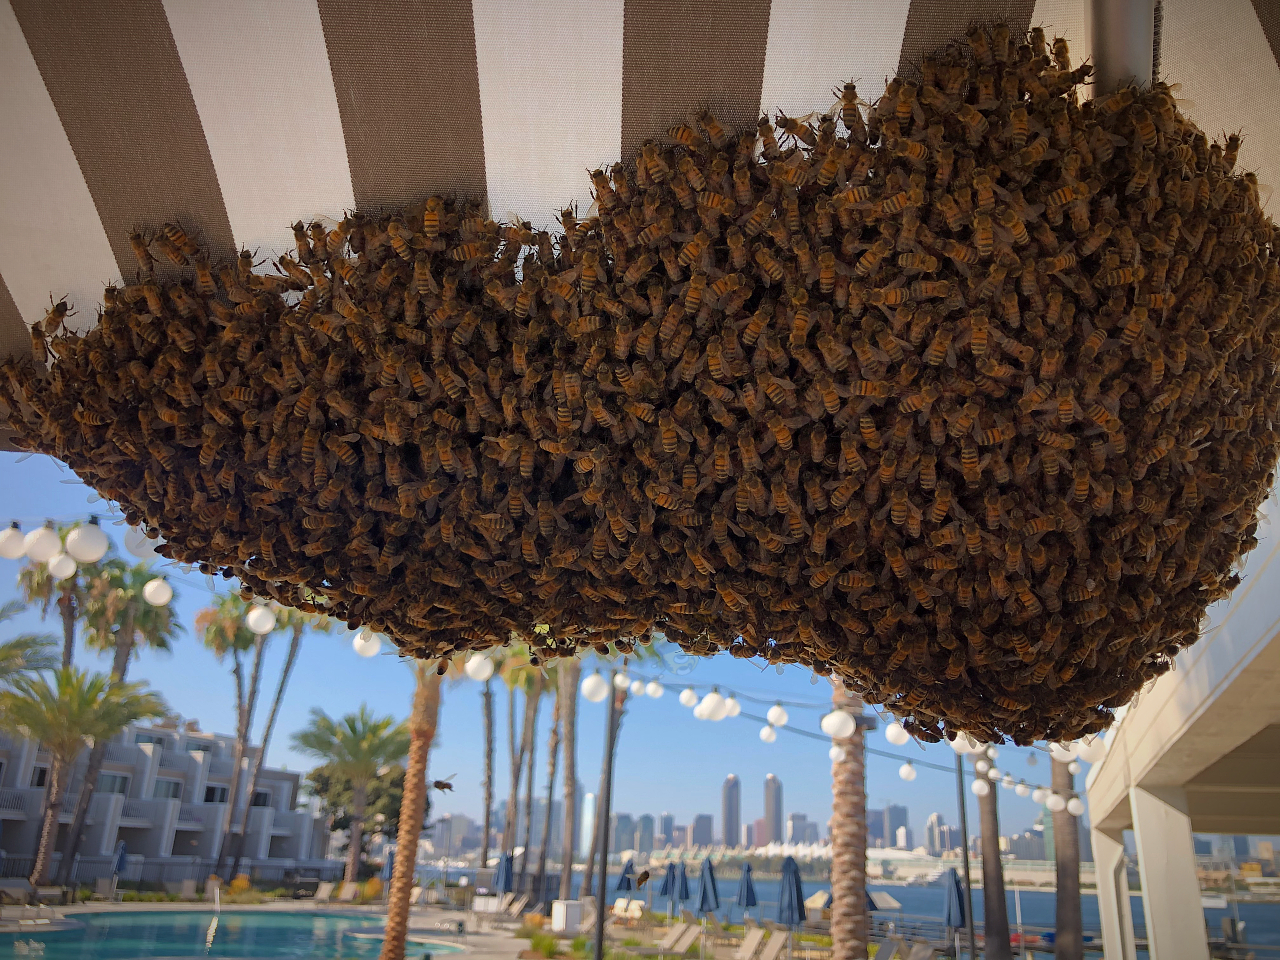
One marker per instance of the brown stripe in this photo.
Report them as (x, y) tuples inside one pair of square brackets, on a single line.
[(113, 72), (679, 57), (932, 24), (1268, 12), (409, 96)]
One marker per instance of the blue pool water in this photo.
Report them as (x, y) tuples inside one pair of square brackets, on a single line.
[(178, 936)]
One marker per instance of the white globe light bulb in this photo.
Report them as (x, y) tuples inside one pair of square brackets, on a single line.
[(1038, 795), (993, 773), (595, 687), (261, 620), (980, 787), (714, 705), (688, 698), (157, 592), (366, 643), (907, 771), (42, 543), (992, 753), (982, 766), (1055, 803), (1092, 749), (700, 711), (478, 667), (140, 545), (838, 724), (87, 544), (12, 542), (1075, 807), (621, 680), (777, 715), (637, 688), (963, 743), (654, 689), (896, 734), (1073, 767), (1007, 781), (732, 707), (768, 734), (61, 566), (1061, 752), (837, 754), (1022, 789)]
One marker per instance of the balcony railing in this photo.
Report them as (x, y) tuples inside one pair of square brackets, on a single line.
[(171, 759), (15, 800), (121, 753), (190, 813), (137, 810)]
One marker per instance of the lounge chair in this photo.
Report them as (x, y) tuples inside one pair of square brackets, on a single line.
[(676, 945), (891, 947), (921, 950), (774, 946), (750, 943), (415, 896), (15, 890), (349, 892), (188, 891), (324, 892), (50, 893), (512, 913)]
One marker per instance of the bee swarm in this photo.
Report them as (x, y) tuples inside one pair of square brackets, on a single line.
[(967, 398)]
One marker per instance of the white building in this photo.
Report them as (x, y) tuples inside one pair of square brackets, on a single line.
[(163, 790)]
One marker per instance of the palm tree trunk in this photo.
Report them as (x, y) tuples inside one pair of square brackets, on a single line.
[(570, 671), (1068, 942), (295, 643), (850, 926), (513, 800), (237, 761), (49, 828), (553, 750), (359, 795), (67, 608), (422, 731), (486, 702), (995, 911), (97, 754), (529, 748)]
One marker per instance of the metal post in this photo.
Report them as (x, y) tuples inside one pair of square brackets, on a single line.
[(964, 852), (602, 814), (1123, 35)]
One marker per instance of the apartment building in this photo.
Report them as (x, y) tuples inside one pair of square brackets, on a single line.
[(164, 790)]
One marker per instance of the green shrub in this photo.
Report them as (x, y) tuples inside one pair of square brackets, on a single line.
[(545, 944), (579, 945)]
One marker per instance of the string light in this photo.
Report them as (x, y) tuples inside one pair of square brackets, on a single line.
[(260, 619), (768, 734), (478, 667), (778, 715), (595, 687), (897, 735), (654, 689), (42, 543), (87, 543), (980, 787), (157, 592), (688, 698), (61, 566), (366, 643), (12, 542), (907, 771), (838, 724)]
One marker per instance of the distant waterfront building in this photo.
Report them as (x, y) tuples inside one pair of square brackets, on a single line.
[(731, 810), (667, 826), (623, 832), (703, 831), (644, 833), (759, 832), (1028, 845), (773, 810), (587, 830), (895, 816), (902, 839), (748, 836), (876, 836), (679, 836), (932, 835), (796, 823)]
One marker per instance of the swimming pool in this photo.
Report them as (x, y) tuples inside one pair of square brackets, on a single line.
[(260, 935)]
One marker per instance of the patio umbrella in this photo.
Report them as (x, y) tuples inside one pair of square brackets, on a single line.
[(746, 898), (953, 915), (708, 898), (791, 899), (388, 865), (668, 887), (504, 881), (627, 879), (118, 861)]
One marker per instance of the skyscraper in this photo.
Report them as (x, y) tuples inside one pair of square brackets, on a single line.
[(624, 833), (588, 823), (644, 833), (772, 810), (748, 836), (797, 828), (703, 831), (668, 824), (875, 828), (933, 836), (731, 810), (894, 817)]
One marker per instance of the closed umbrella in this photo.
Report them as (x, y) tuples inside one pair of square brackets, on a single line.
[(388, 866), (668, 888), (627, 879), (791, 899), (503, 880), (708, 897), (746, 898), (953, 916), (118, 861)]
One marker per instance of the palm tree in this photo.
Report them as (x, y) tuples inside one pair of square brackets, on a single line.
[(297, 623), (354, 748), (64, 715), (224, 631), (570, 672), (529, 749), (486, 704), (517, 675), (1068, 942), (38, 585), (994, 909), (117, 618), (850, 925), (553, 754), (422, 731), (26, 652)]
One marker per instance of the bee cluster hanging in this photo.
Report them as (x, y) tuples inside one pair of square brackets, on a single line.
[(967, 397)]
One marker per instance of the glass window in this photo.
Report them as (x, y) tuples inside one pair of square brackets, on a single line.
[(113, 783), (168, 790), (214, 794), (262, 798), (202, 747), (39, 775)]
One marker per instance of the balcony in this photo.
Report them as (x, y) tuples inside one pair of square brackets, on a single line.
[(192, 815), (121, 753), (19, 802), (172, 760), (140, 809)]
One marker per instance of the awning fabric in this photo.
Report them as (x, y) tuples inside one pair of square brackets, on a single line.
[(237, 118)]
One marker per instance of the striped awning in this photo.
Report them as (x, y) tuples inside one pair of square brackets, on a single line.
[(237, 118)]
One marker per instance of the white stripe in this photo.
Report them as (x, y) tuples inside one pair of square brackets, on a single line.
[(815, 47), (1068, 19), (1220, 56), (51, 238), (261, 80), (550, 101)]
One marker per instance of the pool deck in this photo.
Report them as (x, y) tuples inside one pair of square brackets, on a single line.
[(426, 924)]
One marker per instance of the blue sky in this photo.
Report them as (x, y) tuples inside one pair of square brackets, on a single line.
[(667, 760)]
